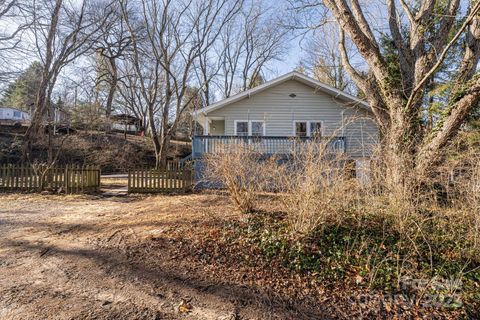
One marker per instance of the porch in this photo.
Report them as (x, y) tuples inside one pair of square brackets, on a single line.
[(263, 144)]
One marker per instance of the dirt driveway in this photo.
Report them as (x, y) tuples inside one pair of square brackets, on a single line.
[(82, 257)]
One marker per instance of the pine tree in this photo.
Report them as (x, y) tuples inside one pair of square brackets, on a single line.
[(22, 92)]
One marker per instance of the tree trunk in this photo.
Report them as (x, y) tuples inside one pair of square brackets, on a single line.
[(50, 135), (37, 119), (431, 151), (112, 89), (154, 134), (164, 151), (398, 156), (41, 99)]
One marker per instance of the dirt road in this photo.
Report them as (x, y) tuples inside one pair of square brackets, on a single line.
[(82, 257)]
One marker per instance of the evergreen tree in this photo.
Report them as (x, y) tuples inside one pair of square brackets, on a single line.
[(256, 79), (22, 92)]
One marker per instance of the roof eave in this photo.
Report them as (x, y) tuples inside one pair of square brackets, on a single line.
[(289, 76)]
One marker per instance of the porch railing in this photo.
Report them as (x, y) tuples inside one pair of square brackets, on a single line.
[(262, 144)]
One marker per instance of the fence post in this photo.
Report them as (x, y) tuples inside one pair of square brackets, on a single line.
[(66, 183), (2, 176), (82, 176), (129, 181)]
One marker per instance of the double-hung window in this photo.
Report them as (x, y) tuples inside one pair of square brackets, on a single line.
[(315, 129), (249, 128), (241, 128), (307, 129), (301, 128), (257, 128)]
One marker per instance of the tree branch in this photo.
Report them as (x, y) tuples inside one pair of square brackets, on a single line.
[(430, 152), (367, 85), (442, 57)]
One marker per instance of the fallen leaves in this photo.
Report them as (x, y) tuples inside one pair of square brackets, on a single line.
[(184, 306)]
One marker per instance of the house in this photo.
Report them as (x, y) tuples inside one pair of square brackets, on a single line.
[(14, 117), (126, 123), (271, 115)]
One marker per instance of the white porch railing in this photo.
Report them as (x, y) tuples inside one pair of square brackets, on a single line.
[(262, 144)]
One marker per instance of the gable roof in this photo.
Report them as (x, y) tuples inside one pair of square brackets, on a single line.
[(317, 85)]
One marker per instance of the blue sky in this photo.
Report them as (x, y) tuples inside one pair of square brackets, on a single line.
[(291, 59), (293, 54)]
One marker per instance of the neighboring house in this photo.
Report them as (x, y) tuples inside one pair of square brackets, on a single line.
[(270, 115), (12, 116), (125, 123)]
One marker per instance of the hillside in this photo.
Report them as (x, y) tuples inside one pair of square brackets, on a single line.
[(110, 151)]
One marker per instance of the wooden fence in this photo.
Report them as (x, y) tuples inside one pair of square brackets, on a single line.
[(172, 180), (70, 179)]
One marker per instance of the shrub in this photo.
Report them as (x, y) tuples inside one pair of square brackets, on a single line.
[(340, 229), (238, 169), (316, 186)]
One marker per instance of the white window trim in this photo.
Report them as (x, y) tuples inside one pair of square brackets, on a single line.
[(235, 126), (308, 122), (294, 131), (249, 126), (309, 129), (264, 133)]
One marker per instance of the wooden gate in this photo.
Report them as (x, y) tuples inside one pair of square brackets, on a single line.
[(70, 179)]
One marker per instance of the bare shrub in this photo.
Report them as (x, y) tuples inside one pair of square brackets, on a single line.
[(370, 230), (441, 222), (316, 186), (238, 168), (463, 190)]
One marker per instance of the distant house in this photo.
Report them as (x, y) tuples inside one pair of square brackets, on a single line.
[(294, 107), (126, 123), (14, 117)]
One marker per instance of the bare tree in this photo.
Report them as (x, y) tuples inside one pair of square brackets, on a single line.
[(130, 97), (424, 35), (167, 38), (14, 20), (61, 35), (110, 48), (322, 58), (248, 44)]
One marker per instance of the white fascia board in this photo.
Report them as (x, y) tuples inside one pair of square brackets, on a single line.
[(289, 76)]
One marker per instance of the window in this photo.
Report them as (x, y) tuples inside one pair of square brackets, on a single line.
[(307, 128), (315, 129), (249, 128), (17, 114), (241, 128), (257, 128), (300, 128)]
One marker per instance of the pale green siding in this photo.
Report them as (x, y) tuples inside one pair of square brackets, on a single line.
[(279, 111)]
